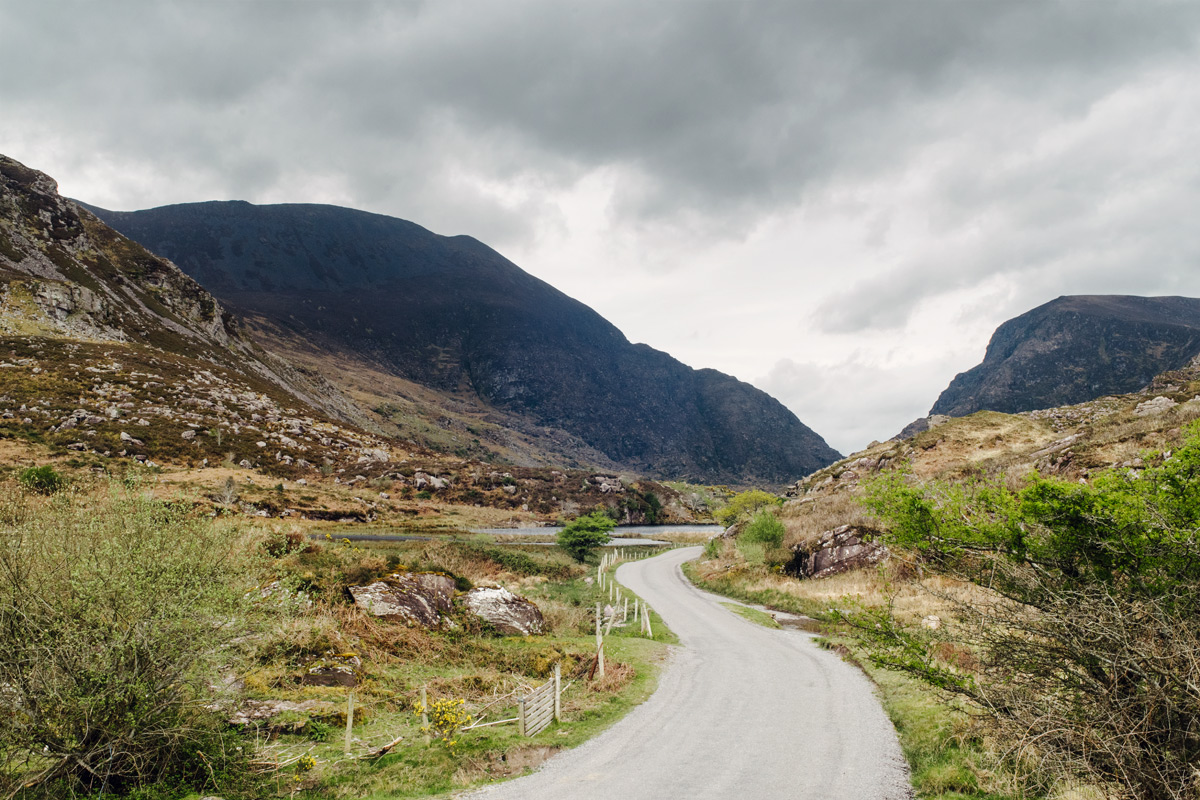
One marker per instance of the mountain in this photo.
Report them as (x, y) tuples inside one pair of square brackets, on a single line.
[(109, 349), (111, 356), (453, 315), (1074, 349)]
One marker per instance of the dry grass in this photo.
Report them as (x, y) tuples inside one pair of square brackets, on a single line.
[(805, 521)]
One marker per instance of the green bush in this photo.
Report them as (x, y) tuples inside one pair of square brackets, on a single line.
[(764, 529), (42, 480), (582, 535), (114, 618), (1081, 636)]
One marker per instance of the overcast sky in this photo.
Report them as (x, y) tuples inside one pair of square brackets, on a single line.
[(835, 201)]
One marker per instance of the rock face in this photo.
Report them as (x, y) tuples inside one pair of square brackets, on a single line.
[(422, 598), (505, 611), (454, 315), (63, 269), (1075, 349), (836, 551), (921, 425)]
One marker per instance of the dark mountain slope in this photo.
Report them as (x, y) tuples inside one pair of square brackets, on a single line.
[(451, 313), (1074, 349)]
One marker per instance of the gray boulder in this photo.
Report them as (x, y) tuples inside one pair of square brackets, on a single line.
[(415, 598), (837, 551), (505, 611)]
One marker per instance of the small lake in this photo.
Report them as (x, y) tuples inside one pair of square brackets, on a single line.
[(630, 536), (624, 532)]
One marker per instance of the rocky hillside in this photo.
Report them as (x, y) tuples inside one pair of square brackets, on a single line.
[(107, 348), (451, 314), (1074, 349), (1075, 442), (112, 356)]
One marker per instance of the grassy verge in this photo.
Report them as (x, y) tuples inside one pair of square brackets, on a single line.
[(753, 614), (948, 755)]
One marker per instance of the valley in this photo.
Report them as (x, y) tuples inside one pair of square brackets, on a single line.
[(363, 428)]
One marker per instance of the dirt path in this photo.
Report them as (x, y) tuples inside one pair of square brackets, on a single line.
[(742, 711)]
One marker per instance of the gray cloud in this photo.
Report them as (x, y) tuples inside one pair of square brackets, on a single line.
[(1046, 146), (725, 108)]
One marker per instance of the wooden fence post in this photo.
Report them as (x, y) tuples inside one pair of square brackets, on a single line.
[(599, 644), (558, 692), (521, 717), (349, 719), (649, 628)]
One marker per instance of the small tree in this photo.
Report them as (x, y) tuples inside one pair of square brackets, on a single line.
[(745, 505), (584, 534)]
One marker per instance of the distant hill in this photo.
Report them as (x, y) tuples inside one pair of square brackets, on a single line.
[(452, 314), (1074, 349)]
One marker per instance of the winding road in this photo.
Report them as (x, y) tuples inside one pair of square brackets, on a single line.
[(742, 711)]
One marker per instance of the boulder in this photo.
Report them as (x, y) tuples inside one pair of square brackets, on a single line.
[(837, 551), (1156, 406), (335, 669), (415, 598), (266, 711), (505, 611)]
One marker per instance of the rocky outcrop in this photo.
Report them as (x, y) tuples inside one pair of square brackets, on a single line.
[(1155, 406), (505, 611), (837, 551), (67, 271), (921, 425), (1075, 349), (420, 598)]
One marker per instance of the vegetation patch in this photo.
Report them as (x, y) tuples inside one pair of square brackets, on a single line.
[(755, 615)]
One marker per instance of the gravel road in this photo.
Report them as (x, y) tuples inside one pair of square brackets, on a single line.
[(742, 711)]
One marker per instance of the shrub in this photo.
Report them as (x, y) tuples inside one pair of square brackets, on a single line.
[(1083, 624), (446, 717), (42, 480), (712, 548), (582, 535), (765, 529), (113, 619)]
